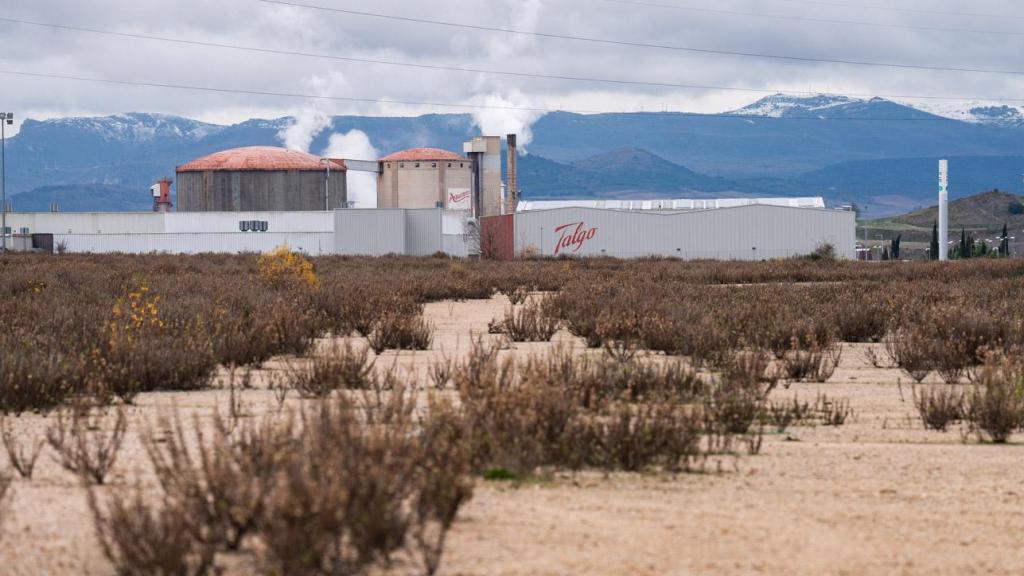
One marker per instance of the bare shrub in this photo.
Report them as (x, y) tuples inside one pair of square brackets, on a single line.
[(83, 445), (738, 397), (401, 331), (620, 334), (567, 411), (341, 367), (833, 411), (784, 414), (142, 540), (440, 372), (911, 351), (22, 458), (516, 293), (34, 379), (338, 504), (811, 363), (445, 485), (876, 359), (530, 323), (222, 490), (995, 405), (939, 406), (638, 437), (340, 491)]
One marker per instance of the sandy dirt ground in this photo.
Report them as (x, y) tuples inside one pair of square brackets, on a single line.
[(877, 496)]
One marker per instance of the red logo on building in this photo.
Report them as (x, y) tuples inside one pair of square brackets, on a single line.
[(458, 197), (573, 236)]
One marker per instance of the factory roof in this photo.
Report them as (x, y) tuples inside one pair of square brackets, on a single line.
[(424, 155), (259, 158), (672, 204)]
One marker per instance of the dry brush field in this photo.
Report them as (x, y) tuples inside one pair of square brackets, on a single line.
[(278, 415)]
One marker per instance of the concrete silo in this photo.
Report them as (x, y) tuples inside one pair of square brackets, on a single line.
[(261, 178), (425, 178)]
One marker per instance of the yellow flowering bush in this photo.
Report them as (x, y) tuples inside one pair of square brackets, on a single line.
[(136, 312), (285, 267)]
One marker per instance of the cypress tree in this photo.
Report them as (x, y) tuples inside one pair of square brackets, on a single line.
[(933, 252), (1004, 243), (895, 252), (965, 252)]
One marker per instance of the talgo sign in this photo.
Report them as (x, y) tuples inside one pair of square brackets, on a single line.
[(572, 237)]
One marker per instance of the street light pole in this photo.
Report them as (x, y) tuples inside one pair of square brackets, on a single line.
[(6, 119)]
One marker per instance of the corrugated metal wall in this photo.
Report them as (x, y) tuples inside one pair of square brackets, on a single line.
[(423, 229), (313, 243), (369, 232), (308, 221), (743, 233), (216, 191), (86, 222)]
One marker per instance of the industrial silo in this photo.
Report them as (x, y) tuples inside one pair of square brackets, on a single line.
[(425, 178), (261, 178)]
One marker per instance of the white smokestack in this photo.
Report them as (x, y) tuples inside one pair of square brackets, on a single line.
[(356, 145), (943, 209)]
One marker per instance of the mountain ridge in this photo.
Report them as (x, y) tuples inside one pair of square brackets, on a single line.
[(873, 152)]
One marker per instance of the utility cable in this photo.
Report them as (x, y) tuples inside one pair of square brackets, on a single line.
[(925, 117), (634, 44), (465, 69)]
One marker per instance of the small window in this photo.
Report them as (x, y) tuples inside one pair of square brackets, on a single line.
[(433, 165), (401, 165), (449, 164), (460, 165), (417, 164)]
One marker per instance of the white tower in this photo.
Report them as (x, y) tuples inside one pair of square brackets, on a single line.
[(943, 209)]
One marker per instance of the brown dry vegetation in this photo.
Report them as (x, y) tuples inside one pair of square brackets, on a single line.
[(367, 469)]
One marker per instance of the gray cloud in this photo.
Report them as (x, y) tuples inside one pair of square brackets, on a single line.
[(250, 22)]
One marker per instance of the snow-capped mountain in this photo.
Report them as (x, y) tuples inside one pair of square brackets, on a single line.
[(133, 127), (827, 105), (782, 105), (985, 113), (873, 156)]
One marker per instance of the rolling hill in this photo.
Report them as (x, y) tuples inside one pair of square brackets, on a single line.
[(875, 153), (982, 214)]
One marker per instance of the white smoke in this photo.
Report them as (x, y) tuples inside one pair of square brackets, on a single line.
[(524, 15), (305, 126), (506, 115), (356, 145)]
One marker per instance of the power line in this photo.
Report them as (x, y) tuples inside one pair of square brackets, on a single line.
[(613, 42), (464, 69), (902, 9), (643, 3), (137, 83)]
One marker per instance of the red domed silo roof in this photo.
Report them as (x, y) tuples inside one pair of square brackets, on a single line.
[(258, 159), (424, 155)]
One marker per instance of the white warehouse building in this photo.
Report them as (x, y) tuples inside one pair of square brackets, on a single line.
[(744, 232), (748, 231)]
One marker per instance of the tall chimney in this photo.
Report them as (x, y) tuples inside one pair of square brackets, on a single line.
[(513, 189), (162, 195), (943, 209)]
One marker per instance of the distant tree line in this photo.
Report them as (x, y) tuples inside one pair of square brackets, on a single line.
[(969, 247)]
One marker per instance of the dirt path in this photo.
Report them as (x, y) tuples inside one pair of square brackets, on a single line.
[(877, 496)]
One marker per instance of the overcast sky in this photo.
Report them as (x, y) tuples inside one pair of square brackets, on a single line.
[(255, 23)]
